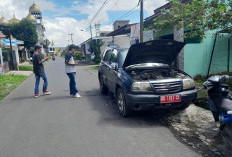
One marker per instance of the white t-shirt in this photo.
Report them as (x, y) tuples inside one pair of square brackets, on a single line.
[(69, 59)]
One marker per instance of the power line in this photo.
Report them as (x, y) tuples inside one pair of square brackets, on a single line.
[(103, 5), (114, 7), (125, 15), (130, 14)]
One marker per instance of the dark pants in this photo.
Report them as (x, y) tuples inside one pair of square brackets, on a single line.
[(72, 83), (45, 85)]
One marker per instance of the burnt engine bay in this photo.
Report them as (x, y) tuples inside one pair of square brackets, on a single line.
[(156, 74)]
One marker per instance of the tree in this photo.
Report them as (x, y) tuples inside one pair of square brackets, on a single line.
[(96, 47), (25, 30), (78, 55), (196, 17)]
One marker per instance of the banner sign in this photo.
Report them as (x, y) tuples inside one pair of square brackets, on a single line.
[(6, 42)]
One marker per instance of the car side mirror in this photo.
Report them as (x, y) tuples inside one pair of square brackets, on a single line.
[(114, 66)]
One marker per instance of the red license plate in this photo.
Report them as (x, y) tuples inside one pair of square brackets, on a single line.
[(170, 99)]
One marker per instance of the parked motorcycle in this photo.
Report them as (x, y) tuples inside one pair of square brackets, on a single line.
[(220, 103)]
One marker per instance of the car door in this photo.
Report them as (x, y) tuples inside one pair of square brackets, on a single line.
[(106, 66), (112, 75)]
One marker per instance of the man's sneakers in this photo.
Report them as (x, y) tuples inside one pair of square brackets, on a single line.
[(76, 96), (47, 93), (44, 93)]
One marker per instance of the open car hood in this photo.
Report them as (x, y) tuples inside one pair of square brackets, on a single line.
[(156, 51)]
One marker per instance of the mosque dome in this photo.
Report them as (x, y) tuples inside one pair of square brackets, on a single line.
[(34, 9), (14, 20), (3, 21), (31, 17)]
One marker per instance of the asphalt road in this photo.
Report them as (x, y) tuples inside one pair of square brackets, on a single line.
[(60, 126)]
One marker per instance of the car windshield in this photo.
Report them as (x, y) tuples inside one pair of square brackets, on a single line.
[(122, 56)]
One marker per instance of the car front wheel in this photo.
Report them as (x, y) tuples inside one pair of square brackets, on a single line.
[(123, 106)]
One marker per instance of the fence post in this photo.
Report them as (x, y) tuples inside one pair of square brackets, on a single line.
[(215, 40), (228, 63)]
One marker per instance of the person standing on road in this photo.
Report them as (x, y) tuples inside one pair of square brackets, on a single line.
[(70, 69), (38, 69)]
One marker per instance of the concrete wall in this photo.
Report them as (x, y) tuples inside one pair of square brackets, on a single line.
[(123, 41), (197, 56), (120, 23)]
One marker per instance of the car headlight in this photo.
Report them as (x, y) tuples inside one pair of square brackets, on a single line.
[(141, 86), (188, 83)]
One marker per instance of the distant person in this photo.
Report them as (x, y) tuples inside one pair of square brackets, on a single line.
[(92, 56), (70, 69), (38, 69)]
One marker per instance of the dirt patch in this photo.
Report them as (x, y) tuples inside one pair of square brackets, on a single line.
[(195, 127)]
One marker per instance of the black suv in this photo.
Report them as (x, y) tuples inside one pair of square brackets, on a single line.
[(142, 77)]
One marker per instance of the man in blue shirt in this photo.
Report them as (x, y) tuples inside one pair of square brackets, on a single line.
[(70, 69), (38, 69)]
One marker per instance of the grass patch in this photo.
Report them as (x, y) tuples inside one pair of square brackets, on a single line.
[(25, 68), (8, 83), (94, 67)]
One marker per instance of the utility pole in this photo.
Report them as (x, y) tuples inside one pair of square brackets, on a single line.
[(141, 21), (97, 28), (90, 28), (71, 37)]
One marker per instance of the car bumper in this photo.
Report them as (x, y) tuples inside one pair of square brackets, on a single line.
[(147, 101)]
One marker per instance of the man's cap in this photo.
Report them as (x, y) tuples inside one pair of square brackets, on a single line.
[(72, 46)]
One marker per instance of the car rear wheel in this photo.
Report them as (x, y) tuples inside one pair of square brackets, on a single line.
[(103, 88), (124, 109)]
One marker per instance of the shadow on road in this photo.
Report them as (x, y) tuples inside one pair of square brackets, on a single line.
[(55, 98), (23, 98), (110, 114)]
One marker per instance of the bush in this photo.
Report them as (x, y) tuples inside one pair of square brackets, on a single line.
[(199, 77), (25, 68), (78, 55)]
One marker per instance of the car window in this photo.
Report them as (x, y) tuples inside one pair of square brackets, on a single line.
[(114, 55), (107, 56)]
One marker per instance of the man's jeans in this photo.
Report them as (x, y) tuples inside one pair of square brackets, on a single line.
[(45, 85), (72, 83)]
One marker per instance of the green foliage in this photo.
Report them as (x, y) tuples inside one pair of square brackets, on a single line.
[(196, 17), (9, 83), (25, 30), (96, 45), (25, 68), (78, 55)]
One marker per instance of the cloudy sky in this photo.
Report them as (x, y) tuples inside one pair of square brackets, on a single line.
[(62, 17)]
